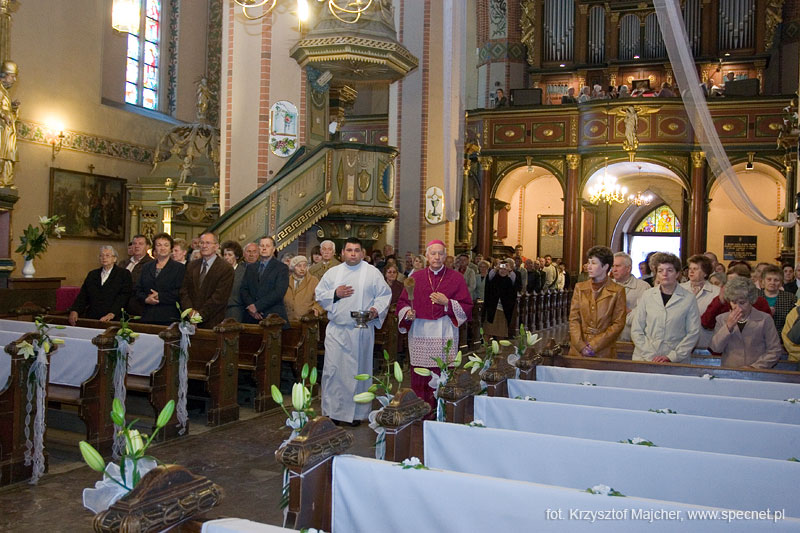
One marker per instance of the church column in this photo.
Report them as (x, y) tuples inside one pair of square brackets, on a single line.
[(791, 187), (571, 243), (697, 236), (487, 211), (612, 35), (581, 38)]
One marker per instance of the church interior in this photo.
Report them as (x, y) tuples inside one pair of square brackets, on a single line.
[(499, 128)]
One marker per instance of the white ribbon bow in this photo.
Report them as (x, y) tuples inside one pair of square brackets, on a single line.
[(37, 381), (120, 393), (187, 329), (106, 491)]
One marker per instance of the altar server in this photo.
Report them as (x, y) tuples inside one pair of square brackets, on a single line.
[(434, 304), (351, 286)]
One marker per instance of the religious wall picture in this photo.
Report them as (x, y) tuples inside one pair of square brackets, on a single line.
[(283, 126), (434, 205), (550, 236), (92, 206)]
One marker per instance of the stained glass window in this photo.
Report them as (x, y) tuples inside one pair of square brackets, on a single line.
[(662, 219), (142, 68)]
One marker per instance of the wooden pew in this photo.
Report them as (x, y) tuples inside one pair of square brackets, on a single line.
[(260, 354), (161, 385), (12, 417), (299, 344), (94, 396), (213, 361), (387, 336)]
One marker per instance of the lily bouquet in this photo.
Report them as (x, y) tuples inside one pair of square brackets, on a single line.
[(119, 480), (492, 349), (380, 384), (301, 413), (120, 357), (34, 242), (187, 326), (446, 371), (524, 340)]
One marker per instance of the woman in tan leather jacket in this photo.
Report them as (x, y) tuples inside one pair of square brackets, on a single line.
[(597, 315)]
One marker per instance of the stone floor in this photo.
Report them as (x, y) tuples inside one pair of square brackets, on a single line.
[(239, 456)]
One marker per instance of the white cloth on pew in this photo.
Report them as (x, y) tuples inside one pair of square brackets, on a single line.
[(371, 495), (686, 432), (73, 363), (701, 478), (641, 400), (6, 338), (240, 525), (766, 390), (148, 349)]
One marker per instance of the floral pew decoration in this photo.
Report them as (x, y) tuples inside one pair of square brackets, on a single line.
[(36, 359), (302, 412), (187, 327), (383, 385), (120, 358), (447, 371), (523, 342), (134, 463)]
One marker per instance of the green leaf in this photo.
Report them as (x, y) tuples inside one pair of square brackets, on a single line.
[(304, 372), (386, 355)]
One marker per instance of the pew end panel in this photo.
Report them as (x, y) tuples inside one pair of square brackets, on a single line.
[(386, 338), (259, 353), (308, 457), (402, 419), (458, 395), (299, 344), (213, 360), (12, 416)]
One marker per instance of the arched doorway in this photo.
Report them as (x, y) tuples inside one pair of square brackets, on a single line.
[(527, 200), (616, 224), (766, 188)]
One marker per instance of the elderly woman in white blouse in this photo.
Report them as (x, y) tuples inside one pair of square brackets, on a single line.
[(745, 337), (700, 268)]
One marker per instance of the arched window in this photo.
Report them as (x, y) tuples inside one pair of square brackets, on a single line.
[(662, 219), (658, 231), (143, 58)]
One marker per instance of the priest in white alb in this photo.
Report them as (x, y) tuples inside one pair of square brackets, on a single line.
[(435, 302), (354, 285)]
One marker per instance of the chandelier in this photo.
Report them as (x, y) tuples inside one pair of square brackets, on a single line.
[(347, 11), (608, 190), (639, 199)]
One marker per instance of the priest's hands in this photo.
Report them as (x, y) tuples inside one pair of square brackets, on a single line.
[(661, 359), (373, 313), (411, 315), (439, 298), (343, 291)]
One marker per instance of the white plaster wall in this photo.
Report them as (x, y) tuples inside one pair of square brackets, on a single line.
[(725, 219), (244, 96), (59, 47)]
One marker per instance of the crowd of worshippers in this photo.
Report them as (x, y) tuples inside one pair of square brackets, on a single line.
[(668, 312), (746, 315)]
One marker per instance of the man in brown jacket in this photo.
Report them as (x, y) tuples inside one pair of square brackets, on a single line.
[(207, 283)]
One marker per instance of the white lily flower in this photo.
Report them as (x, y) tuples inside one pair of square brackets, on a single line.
[(411, 462), (637, 440), (495, 347), (298, 396), (25, 349), (43, 220), (605, 490)]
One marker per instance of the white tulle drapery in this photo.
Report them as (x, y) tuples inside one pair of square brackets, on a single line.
[(685, 70)]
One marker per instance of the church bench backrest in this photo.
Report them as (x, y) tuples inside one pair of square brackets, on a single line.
[(651, 378), (368, 493), (260, 354), (687, 432), (649, 472), (644, 400)]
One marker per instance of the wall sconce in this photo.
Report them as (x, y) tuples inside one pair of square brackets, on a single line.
[(750, 157), (54, 135)]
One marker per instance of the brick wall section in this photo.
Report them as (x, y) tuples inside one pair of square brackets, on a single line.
[(263, 101), (228, 109), (423, 170)]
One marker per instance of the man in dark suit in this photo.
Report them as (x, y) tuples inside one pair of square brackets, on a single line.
[(134, 265), (264, 285), (207, 283), (105, 290)]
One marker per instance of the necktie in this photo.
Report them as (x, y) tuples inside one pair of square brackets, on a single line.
[(261, 267), (203, 272)]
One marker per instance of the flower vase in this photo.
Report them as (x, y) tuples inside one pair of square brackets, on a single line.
[(28, 269)]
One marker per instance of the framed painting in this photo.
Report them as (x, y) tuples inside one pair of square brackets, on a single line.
[(92, 206), (550, 236)]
